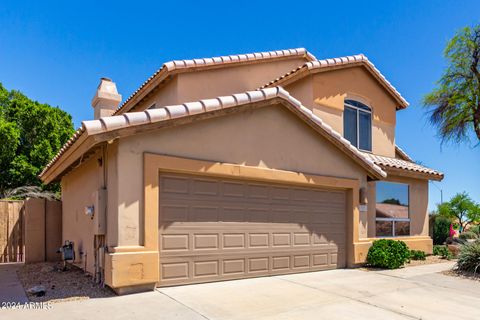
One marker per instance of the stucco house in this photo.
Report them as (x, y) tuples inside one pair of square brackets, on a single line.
[(240, 166)]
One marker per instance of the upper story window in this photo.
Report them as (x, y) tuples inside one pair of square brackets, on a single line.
[(357, 124)]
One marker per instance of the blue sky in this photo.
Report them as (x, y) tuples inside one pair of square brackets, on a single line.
[(56, 51)]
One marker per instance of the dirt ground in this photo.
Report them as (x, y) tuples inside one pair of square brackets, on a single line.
[(72, 284), (463, 274)]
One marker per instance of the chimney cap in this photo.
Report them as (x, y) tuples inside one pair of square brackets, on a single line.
[(106, 98)]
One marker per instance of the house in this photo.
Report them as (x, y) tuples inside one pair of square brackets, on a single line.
[(240, 166)]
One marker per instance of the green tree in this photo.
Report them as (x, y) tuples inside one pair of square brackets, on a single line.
[(461, 208), (454, 106), (31, 133)]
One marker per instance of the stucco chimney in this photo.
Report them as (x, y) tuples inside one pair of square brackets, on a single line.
[(106, 99)]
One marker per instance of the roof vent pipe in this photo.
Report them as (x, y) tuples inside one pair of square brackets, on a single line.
[(106, 99)]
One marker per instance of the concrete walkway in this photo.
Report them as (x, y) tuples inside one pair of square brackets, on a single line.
[(411, 293), (11, 289)]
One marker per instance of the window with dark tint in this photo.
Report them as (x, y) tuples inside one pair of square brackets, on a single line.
[(392, 209), (357, 124)]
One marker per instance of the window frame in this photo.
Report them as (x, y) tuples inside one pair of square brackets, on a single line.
[(358, 107), (393, 220)]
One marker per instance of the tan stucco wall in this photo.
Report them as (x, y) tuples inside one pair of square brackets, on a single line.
[(418, 198), (112, 195), (331, 88), (269, 137), (211, 83), (165, 95), (77, 189)]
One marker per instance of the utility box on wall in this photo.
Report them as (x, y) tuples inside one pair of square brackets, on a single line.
[(100, 211)]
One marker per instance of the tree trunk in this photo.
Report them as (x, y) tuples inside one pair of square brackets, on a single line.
[(476, 122)]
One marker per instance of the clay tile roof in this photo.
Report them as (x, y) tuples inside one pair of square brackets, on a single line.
[(179, 65), (337, 62), (126, 120), (387, 162)]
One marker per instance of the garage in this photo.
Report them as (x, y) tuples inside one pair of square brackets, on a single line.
[(213, 229)]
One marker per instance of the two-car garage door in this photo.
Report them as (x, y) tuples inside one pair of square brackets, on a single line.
[(214, 229)]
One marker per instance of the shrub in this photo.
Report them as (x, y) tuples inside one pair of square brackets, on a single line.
[(468, 235), (389, 254), (442, 251), (475, 229), (469, 257), (417, 255), (441, 229)]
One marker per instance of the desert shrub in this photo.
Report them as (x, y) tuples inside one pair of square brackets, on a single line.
[(475, 229), (417, 255), (468, 235), (441, 229), (469, 257), (389, 254), (442, 251)]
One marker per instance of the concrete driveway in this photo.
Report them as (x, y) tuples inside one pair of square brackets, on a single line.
[(412, 293)]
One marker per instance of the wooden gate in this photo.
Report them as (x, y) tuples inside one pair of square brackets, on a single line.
[(11, 231)]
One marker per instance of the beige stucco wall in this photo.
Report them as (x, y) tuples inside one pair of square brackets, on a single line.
[(78, 187), (270, 137), (165, 95), (418, 201), (214, 82), (331, 88)]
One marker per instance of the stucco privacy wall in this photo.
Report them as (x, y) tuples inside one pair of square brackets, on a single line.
[(269, 137), (331, 88), (208, 83)]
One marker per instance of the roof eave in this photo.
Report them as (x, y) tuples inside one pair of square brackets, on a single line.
[(412, 174)]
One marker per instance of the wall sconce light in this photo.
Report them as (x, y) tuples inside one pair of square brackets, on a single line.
[(90, 211)]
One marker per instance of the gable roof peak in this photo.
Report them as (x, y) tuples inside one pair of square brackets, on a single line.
[(114, 124), (339, 62), (191, 64)]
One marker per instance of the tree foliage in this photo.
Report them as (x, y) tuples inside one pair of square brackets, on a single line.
[(461, 208), (454, 106), (31, 133)]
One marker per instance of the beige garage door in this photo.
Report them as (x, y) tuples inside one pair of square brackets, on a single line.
[(215, 229)]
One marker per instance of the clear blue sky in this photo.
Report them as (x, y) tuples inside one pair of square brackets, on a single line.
[(56, 51)]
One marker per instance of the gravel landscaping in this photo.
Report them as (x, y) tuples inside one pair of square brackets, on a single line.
[(462, 274), (429, 260), (72, 284)]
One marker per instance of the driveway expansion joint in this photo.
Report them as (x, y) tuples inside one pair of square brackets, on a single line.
[(183, 304)]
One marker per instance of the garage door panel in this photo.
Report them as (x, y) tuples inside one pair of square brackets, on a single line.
[(215, 229)]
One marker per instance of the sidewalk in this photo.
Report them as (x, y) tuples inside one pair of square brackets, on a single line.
[(11, 290)]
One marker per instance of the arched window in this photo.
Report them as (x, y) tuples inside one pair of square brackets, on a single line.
[(357, 124)]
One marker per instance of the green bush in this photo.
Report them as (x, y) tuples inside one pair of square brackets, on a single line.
[(469, 257), (441, 230), (417, 255), (468, 235), (475, 229), (442, 251), (389, 254)]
